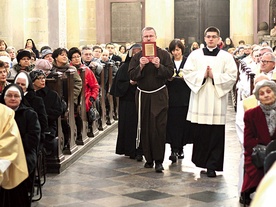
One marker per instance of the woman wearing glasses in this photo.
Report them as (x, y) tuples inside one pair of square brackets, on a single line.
[(24, 81), (29, 129), (53, 107)]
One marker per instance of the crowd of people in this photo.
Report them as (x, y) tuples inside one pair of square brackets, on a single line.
[(176, 95)]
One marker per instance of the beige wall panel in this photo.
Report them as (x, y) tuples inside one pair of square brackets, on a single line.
[(36, 22), (12, 25), (161, 16), (241, 21), (73, 26), (87, 22)]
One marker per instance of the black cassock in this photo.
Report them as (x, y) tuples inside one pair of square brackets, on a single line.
[(127, 122)]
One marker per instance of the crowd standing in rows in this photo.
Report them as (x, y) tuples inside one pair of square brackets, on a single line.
[(176, 97)]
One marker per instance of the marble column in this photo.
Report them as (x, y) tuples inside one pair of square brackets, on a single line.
[(161, 16), (241, 21)]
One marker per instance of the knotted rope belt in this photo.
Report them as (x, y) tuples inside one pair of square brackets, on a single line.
[(138, 135)]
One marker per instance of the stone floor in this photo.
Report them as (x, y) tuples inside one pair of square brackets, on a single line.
[(100, 178)]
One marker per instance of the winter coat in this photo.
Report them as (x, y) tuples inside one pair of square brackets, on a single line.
[(29, 128)]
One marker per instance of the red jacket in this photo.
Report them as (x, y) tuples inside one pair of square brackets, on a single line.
[(91, 86), (255, 132)]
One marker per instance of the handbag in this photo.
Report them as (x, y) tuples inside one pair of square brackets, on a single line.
[(93, 114), (258, 155)]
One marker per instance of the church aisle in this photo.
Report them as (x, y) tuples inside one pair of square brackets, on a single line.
[(100, 178)]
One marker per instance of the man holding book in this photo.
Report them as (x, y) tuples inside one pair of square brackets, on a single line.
[(151, 68)]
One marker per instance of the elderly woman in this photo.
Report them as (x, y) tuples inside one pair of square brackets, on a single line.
[(26, 120), (29, 129), (12, 152), (23, 63), (260, 124), (53, 107), (24, 81)]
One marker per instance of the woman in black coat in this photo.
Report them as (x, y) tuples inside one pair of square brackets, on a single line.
[(53, 106), (125, 89), (29, 129), (27, 121), (24, 81), (178, 128)]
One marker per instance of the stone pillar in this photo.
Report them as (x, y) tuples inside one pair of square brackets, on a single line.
[(87, 22), (161, 16), (73, 26), (241, 21), (35, 18), (57, 23)]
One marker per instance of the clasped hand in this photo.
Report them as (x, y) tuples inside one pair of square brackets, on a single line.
[(144, 61), (208, 73)]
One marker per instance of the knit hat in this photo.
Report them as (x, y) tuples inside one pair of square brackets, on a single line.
[(46, 52), (35, 74), (263, 83), (42, 64), (72, 51), (23, 53)]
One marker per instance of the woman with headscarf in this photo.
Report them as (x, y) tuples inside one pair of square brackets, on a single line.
[(24, 81), (11, 152), (29, 128), (125, 89), (260, 125)]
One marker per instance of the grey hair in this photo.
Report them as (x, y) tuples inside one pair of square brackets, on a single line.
[(267, 48), (263, 83), (271, 56), (147, 29)]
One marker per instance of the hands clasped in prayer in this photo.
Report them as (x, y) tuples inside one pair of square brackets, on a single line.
[(208, 73)]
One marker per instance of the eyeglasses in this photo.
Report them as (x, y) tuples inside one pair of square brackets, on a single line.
[(211, 36), (88, 54), (75, 57), (267, 61), (41, 78), (15, 96)]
